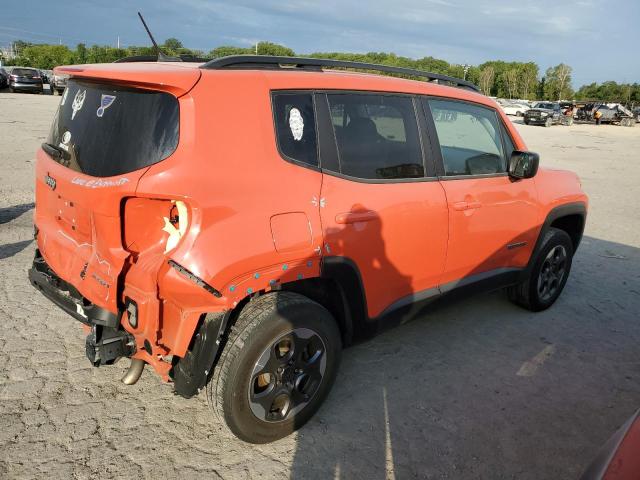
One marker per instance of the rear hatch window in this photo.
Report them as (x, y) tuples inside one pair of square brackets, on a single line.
[(106, 130), (24, 72)]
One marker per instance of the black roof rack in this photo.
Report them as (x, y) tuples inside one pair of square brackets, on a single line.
[(273, 62)]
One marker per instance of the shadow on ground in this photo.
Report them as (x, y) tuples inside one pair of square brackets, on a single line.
[(445, 397), (10, 213), (10, 249)]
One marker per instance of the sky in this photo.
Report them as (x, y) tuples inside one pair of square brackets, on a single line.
[(597, 38)]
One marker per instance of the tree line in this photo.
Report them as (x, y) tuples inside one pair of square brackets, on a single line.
[(521, 80)]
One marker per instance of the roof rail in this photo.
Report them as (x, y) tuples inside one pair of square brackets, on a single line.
[(274, 62)]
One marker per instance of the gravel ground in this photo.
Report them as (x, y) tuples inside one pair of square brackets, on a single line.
[(476, 389)]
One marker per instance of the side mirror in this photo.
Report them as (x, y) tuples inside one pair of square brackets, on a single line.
[(523, 164)]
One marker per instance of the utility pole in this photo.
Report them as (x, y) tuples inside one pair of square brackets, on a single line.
[(257, 43), (118, 42)]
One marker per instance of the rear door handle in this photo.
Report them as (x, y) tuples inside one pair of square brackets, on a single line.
[(461, 206), (354, 217)]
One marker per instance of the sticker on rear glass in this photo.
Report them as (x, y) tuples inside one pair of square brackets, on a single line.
[(105, 102), (78, 102), (66, 138), (64, 96), (296, 124)]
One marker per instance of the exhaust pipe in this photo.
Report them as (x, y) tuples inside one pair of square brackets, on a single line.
[(134, 372)]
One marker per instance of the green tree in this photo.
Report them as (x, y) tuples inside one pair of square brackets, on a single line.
[(511, 81), (487, 75), (558, 82), (46, 56), (173, 46), (268, 48), (226, 50), (81, 53), (528, 80)]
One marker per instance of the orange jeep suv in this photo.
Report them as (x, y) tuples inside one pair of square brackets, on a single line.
[(235, 224)]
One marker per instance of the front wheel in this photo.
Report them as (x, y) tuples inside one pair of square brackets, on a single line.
[(548, 275), (548, 122), (277, 367)]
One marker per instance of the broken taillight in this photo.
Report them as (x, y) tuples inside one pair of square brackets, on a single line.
[(151, 224)]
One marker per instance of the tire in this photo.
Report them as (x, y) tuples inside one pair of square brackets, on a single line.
[(569, 121), (519, 114), (247, 398), (526, 122), (55, 92), (530, 293), (11, 90), (548, 122)]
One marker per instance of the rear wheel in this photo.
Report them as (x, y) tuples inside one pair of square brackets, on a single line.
[(278, 366), (548, 275)]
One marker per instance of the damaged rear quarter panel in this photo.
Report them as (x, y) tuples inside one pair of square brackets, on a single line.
[(229, 242)]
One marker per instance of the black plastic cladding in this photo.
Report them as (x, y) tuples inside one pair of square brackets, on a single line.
[(250, 62)]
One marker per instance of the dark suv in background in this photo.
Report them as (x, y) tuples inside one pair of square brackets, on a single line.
[(544, 113), (4, 78), (25, 80)]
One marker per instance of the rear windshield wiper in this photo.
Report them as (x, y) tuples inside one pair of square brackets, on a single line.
[(55, 152)]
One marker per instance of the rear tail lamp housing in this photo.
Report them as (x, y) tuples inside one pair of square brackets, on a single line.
[(153, 224)]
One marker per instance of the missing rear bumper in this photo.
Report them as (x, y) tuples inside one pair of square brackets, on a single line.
[(67, 297), (107, 341)]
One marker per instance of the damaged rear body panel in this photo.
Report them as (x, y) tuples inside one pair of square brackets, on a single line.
[(100, 246), (137, 221)]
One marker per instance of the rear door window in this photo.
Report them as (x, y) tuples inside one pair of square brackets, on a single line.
[(296, 127), (377, 136), (107, 130), (470, 138)]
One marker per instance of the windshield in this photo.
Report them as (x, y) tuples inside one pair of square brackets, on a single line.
[(23, 72), (107, 130)]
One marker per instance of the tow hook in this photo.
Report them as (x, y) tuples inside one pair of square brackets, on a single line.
[(134, 372)]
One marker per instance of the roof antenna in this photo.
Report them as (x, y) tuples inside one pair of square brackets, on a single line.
[(161, 56)]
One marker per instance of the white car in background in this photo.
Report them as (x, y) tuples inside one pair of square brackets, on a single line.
[(516, 109)]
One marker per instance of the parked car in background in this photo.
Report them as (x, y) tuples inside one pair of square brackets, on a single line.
[(636, 113), (23, 79), (4, 78), (615, 113), (44, 75), (513, 108), (544, 113), (59, 83), (618, 459)]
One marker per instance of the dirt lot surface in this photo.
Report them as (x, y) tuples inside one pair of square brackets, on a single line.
[(477, 389)]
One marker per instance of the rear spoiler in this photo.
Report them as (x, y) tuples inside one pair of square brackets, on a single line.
[(175, 78)]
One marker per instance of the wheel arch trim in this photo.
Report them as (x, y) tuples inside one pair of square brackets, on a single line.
[(556, 213)]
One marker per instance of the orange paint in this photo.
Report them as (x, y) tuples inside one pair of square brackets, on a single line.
[(256, 221)]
